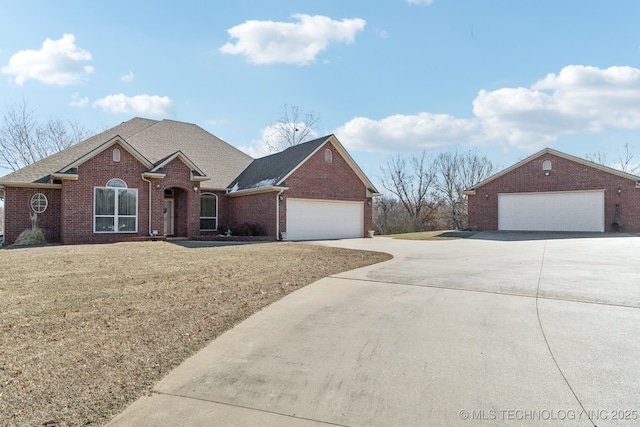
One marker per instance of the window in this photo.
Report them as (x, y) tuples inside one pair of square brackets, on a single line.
[(39, 203), (116, 155), (115, 208), (208, 212), (546, 165), (328, 156), (116, 183)]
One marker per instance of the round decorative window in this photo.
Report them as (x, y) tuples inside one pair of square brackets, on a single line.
[(39, 203)]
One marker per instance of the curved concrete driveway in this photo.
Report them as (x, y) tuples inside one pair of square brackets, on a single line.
[(497, 329)]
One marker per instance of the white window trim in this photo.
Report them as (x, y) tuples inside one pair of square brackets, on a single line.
[(328, 156), (115, 211), (209, 217), (46, 203)]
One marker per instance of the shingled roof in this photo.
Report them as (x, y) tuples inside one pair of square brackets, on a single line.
[(155, 140), (269, 171)]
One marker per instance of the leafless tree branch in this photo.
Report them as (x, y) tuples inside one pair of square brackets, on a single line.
[(23, 140), (292, 128)]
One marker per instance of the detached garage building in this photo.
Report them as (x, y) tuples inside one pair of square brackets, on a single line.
[(554, 191)]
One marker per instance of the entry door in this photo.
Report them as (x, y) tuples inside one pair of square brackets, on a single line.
[(168, 217)]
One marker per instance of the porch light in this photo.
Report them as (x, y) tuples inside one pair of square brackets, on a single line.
[(619, 190), (158, 186), (195, 188), (486, 196)]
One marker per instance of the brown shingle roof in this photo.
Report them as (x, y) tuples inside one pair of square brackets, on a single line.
[(155, 140)]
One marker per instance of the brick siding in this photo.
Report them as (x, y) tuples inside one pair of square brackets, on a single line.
[(316, 179), (256, 208), (18, 208), (565, 175)]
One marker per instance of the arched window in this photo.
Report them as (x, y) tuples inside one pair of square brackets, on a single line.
[(116, 155), (39, 203), (328, 156), (546, 165), (115, 208), (115, 182), (208, 212)]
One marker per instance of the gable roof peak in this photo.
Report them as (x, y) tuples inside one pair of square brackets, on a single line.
[(556, 153)]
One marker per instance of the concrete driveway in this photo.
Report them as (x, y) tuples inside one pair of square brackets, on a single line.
[(496, 329)]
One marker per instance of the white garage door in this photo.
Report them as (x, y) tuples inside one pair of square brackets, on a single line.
[(324, 219), (555, 211)]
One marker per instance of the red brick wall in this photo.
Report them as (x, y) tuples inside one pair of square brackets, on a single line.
[(565, 175), (316, 179), (256, 208), (17, 210), (78, 196)]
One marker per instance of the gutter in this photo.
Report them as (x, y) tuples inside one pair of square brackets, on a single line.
[(258, 190), (149, 181), (278, 214)]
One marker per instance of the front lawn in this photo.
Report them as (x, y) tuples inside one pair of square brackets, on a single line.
[(85, 330)]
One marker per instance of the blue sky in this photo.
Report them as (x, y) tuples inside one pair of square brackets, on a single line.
[(388, 77)]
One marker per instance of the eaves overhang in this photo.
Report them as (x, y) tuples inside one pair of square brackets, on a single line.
[(30, 185), (153, 175), (65, 176)]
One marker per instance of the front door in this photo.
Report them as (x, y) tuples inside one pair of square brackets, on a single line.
[(168, 217)]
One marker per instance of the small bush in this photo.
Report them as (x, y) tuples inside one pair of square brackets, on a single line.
[(31, 237)]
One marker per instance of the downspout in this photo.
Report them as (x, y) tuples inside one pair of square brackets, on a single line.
[(278, 214), (149, 181)]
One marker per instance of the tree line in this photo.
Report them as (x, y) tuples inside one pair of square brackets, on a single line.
[(424, 192)]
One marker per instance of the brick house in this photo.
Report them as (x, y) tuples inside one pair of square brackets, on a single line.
[(554, 191), (148, 179)]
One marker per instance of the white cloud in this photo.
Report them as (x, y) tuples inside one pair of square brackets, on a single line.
[(407, 132), (146, 105), (77, 101), (128, 78), (59, 62), (268, 42), (425, 2), (578, 100)]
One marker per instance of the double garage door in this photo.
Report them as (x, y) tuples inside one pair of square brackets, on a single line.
[(324, 219), (554, 211)]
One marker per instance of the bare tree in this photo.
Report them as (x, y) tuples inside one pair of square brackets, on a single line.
[(23, 140), (412, 185), (625, 157), (599, 156), (623, 162), (292, 128), (456, 172)]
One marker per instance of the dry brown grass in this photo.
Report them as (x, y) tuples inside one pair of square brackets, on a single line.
[(85, 330)]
